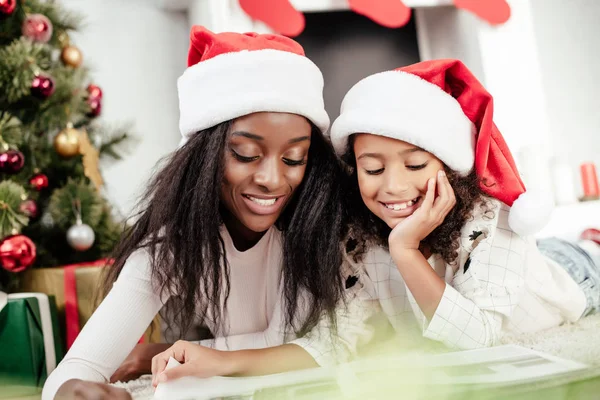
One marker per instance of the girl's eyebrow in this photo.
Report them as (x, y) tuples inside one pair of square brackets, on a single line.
[(371, 155)]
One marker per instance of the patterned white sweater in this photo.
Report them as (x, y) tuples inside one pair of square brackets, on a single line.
[(501, 283)]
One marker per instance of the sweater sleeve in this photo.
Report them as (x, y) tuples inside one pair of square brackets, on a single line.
[(328, 345), (485, 290), (113, 330)]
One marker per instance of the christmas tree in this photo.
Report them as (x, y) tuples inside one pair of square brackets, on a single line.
[(52, 211)]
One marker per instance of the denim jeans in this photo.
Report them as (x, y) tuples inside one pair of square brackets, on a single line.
[(579, 265)]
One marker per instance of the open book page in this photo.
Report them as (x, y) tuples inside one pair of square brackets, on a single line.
[(220, 386), (502, 365)]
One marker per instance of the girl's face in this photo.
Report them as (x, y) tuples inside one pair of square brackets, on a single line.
[(265, 160), (392, 176)]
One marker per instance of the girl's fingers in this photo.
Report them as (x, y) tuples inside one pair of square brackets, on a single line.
[(449, 193), (429, 196), (442, 189)]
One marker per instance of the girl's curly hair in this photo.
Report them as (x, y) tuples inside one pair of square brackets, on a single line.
[(368, 229)]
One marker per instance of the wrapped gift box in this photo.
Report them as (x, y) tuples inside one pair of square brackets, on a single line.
[(30, 342), (77, 291)]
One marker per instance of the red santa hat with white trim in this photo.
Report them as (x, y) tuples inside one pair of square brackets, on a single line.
[(441, 107), (230, 75)]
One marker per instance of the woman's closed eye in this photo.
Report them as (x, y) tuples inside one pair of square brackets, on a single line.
[(248, 159), (294, 163), (242, 158)]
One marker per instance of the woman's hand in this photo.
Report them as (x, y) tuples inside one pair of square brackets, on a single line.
[(409, 233), (197, 360), (84, 390), (138, 362)]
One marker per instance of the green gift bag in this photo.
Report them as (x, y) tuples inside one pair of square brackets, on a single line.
[(30, 342)]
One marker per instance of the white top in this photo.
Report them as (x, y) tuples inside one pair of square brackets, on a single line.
[(254, 316), (507, 286)]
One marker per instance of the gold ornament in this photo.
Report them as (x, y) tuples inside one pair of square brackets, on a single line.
[(90, 160), (66, 143), (63, 39), (71, 56)]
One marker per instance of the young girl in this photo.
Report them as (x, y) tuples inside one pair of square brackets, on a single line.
[(241, 227), (435, 183)]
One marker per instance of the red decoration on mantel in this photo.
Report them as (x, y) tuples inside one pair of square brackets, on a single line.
[(495, 12), (280, 15), (283, 18), (388, 13)]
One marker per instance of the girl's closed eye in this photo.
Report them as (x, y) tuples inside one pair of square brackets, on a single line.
[(374, 171), (371, 167), (416, 167)]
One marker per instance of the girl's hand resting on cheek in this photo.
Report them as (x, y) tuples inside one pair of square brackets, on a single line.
[(409, 233)]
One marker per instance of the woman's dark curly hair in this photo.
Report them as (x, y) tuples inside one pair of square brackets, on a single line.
[(179, 223), (444, 240)]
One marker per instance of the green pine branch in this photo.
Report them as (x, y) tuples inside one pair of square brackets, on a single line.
[(63, 209), (11, 218), (30, 125), (61, 19), (111, 141), (67, 103), (11, 130), (108, 232), (19, 63)]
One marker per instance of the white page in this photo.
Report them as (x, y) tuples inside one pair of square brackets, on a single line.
[(220, 386)]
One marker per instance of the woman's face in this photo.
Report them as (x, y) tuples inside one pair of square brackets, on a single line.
[(265, 160), (392, 176)]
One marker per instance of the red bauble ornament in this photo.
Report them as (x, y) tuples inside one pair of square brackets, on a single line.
[(11, 161), (7, 7), (37, 27), (42, 86), (95, 107), (39, 182), (17, 253), (29, 208), (94, 91)]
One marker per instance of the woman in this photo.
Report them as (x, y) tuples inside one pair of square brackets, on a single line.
[(241, 227)]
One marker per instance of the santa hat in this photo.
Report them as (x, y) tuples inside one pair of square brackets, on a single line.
[(441, 107), (233, 74)]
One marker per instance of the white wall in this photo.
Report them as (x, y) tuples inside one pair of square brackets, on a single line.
[(568, 39), (445, 32), (505, 59), (136, 52)]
